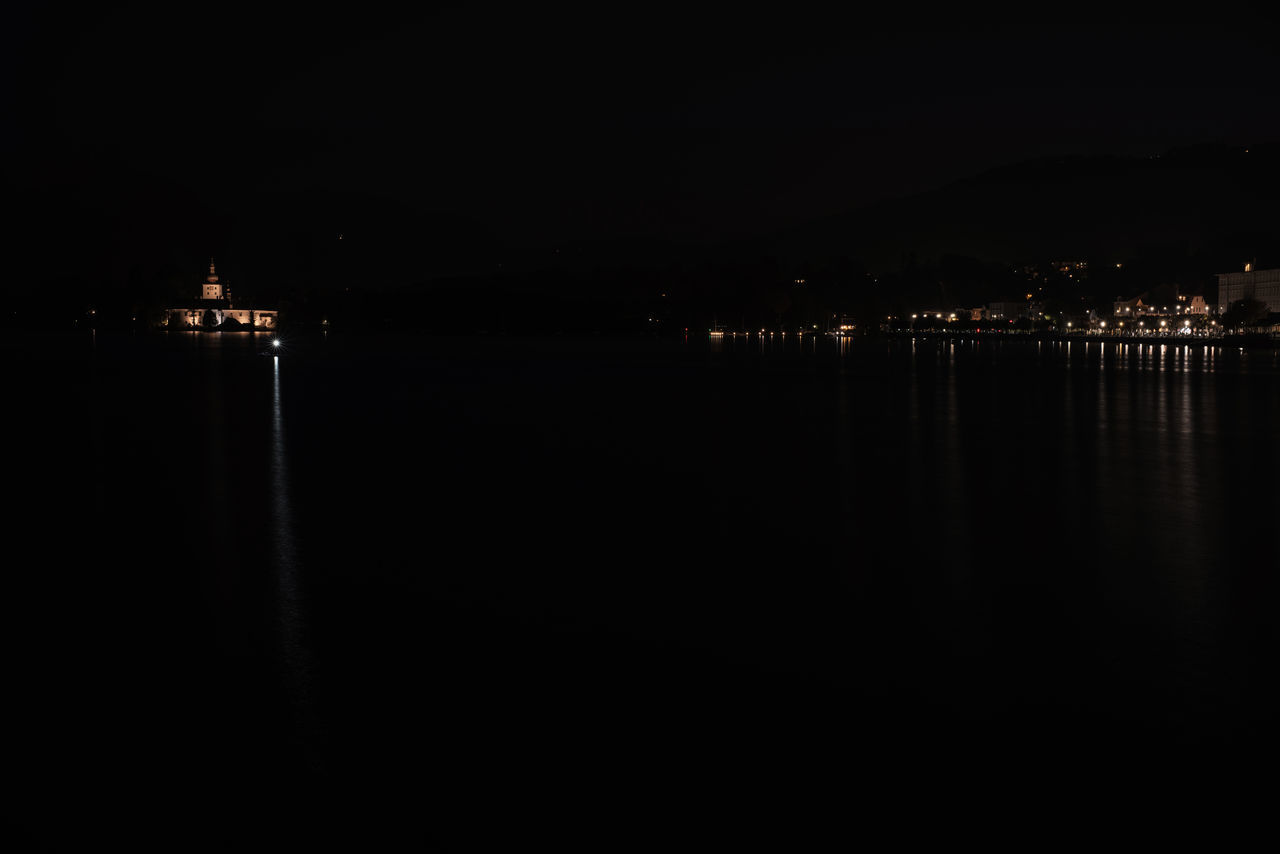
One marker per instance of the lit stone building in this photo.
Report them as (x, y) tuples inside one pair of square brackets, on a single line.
[(213, 310), (1260, 285)]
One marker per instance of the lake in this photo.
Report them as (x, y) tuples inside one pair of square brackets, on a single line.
[(479, 590)]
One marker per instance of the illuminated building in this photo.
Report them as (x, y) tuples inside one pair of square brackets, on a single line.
[(1260, 285), (1130, 307), (214, 310), (1164, 301)]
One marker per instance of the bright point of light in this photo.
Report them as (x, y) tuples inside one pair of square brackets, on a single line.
[(275, 343)]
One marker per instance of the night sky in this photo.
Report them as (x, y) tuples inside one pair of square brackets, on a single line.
[(145, 130)]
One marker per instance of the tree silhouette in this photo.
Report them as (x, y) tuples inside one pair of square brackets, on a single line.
[(1244, 312)]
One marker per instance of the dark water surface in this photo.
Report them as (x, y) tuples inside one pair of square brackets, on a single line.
[(495, 590)]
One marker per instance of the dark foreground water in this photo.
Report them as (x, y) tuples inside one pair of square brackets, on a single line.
[(490, 591)]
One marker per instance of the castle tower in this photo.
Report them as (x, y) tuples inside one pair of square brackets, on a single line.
[(212, 290)]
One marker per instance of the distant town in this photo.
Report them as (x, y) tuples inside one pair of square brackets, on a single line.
[(1246, 302)]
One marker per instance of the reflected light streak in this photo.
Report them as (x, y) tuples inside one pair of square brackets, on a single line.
[(295, 657)]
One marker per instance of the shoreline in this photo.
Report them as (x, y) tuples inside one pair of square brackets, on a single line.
[(1246, 340)]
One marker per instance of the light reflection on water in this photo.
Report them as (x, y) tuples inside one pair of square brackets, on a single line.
[(295, 657), (1059, 500), (1157, 356), (1129, 432)]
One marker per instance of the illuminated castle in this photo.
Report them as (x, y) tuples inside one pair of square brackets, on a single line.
[(213, 310)]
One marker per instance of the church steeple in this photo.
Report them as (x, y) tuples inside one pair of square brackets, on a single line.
[(211, 288)]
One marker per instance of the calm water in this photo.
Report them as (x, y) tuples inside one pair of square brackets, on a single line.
[(488, 589)]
